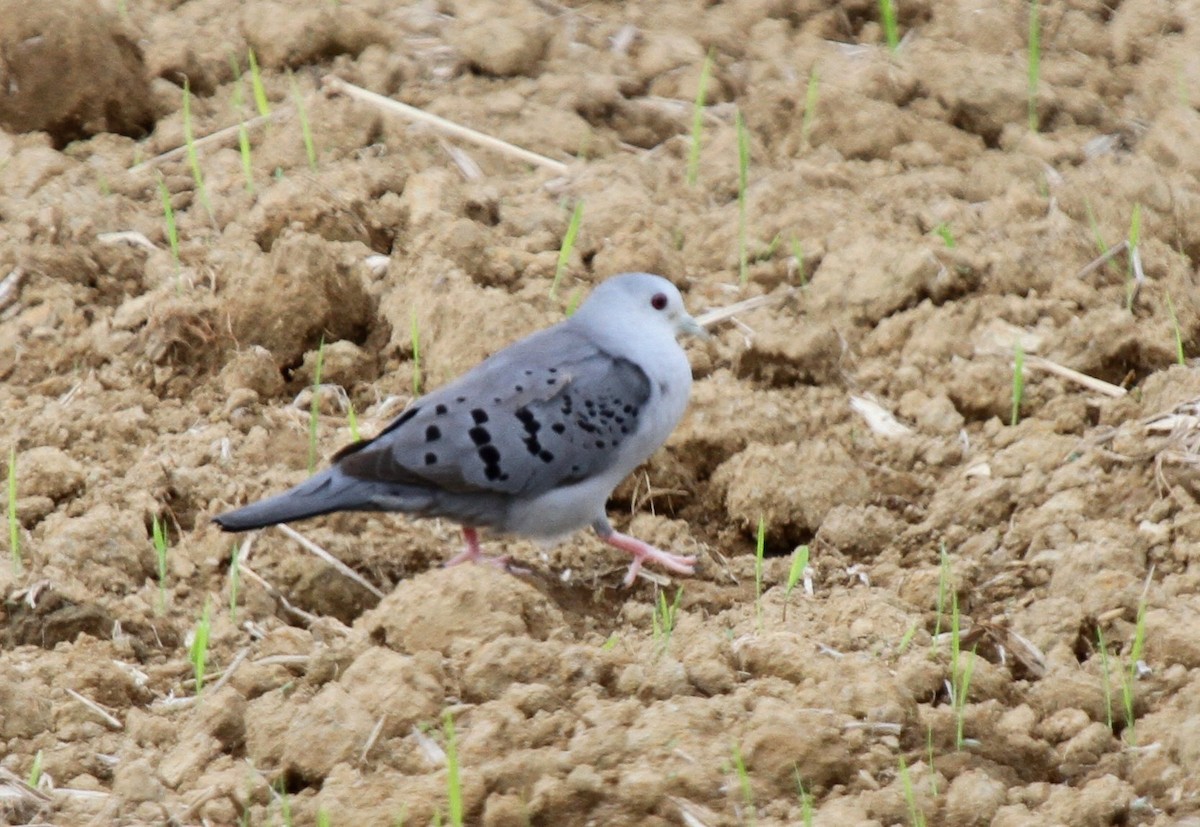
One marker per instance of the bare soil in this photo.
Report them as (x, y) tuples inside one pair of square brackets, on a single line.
[(910, 229)]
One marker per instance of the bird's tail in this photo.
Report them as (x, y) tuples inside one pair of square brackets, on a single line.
[(331, 490)]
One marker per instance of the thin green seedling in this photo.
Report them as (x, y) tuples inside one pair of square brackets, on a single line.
[(609, 642), (159, 538), (743, 146), (573, 302), (414, 335), (398, 821), (739, 766), (1105, 679), (235, 580), (946, 234), (1131, 253), (244, 151), (933, 788), (961, 670), (35, 771), (665, 618), (693, 164), (1034, 66), (285, 803), (1130, 673), (437, 817), (806, 799), (352, 421), (14, 525), (169, 219), (103, 184), (1018, 383), (799, 564), (944, 587), (568, 244), (798, 257), (454, 797), (768, 252), (189, 140), (239, 92), (887, 16), (314, 407), (323, 818), (1179, 355), (907, 638), (811, 94), (198, 652), (760, 544), (256, 85), (310, 150), (916, 818)]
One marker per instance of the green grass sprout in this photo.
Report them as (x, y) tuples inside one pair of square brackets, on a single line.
[(256, 86), (198, 653), (573, 302), (1131, 254), (453, 781), (907, 638), (743, 144), (244, 151), (693, 164), (159, 538), (944, 587), (1105, 677), (568, 244), (799, 564), (961, 670), (239, 93), (609, 642), (1034, 69), (1018, 383), (768, 252), (323, 818), (806, 799), (352, 421), (943, 230), (414, 333), (14, 525), (169, 219), (665, 618), (916, 818), (933, 788), (35, 771), (739, 766), (310, 149), (1179, 355), (798, 258), (314, 407), (760, 544), (189, 140), (811, 94), (235, 580), (1130, 673), (891, 32)]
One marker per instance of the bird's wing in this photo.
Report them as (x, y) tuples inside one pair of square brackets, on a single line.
[(548, 411)]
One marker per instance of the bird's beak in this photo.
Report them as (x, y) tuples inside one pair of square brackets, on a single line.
[(687, 324)]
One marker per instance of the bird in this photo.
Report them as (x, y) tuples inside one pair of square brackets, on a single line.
[(530, 442)]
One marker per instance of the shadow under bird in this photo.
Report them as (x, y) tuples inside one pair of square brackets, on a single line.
[(533, 440)]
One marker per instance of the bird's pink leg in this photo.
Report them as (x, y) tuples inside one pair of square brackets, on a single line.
[(470, 554), (646, 553), (473, 554)]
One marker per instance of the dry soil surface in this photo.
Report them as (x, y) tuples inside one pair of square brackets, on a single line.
[(911, 231)]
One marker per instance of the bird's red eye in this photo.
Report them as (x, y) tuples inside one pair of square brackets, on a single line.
[(659, 301)]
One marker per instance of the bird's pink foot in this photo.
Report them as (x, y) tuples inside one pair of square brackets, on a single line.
[(474, 554), (646, 553)]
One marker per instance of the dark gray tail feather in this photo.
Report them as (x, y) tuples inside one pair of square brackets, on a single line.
[(331, 490)]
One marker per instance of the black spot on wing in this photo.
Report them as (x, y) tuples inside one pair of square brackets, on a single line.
[(479, 435), (479, 415), (433, 433)]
